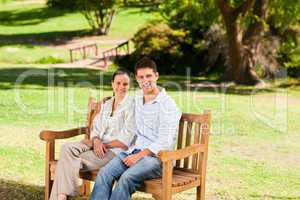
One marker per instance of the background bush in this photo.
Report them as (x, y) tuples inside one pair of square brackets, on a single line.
[(63, 4), (173, 50)]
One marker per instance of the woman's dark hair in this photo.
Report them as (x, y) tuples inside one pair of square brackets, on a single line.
[(120, 71)]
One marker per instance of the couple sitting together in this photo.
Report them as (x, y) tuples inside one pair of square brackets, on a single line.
[(126, 137)]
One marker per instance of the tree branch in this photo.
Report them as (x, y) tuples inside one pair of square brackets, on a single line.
[(225, 7), (244, 8), (260, 9)]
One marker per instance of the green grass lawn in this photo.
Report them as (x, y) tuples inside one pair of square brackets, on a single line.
[(254, 147), (30, 32), (253, 152)]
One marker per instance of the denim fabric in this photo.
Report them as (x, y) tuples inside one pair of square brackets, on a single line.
[(129, 178)]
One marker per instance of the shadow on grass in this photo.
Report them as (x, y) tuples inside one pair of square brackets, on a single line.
[(10, 78), (194, 84), (31, 16), (47, 38), (42, 78), (34, 16), (10, 190)]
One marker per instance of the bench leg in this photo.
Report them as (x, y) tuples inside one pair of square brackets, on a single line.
[(48, 187), (201, 192), (166, 196), (84, 53), (105, 59), (71, 56), (85, 189), (128, 51), (156, 197), (96, 50), (49, 156)]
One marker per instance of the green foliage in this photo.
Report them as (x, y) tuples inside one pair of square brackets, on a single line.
[(195, 18), (190, 15), (284, 13), (155, 38), (172, 49), (290, 55), (141, 3), (62, 4), (180, 42), (284, 20), (97, 4)]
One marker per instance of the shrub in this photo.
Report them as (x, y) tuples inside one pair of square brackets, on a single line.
[(62, 4), (173, 50), (289, 54)]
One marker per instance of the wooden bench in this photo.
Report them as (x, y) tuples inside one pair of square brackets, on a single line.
[(119, 50), (83, 50), (190, 155), (115, 52)]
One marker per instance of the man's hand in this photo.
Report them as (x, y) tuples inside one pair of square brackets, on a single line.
[(99, 148), (132, 159)]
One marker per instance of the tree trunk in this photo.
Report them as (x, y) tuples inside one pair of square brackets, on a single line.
[(241, 69), (111, 15), (254, 39), (256, 29)]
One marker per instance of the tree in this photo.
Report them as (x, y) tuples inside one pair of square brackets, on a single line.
[(255, 31), (241, 61), (246, 38), (99, 14)]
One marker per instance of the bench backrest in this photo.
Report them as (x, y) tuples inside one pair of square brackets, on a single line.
[(94, 108), (193, 129)]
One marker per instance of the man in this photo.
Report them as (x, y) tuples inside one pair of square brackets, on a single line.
[(157, 118)]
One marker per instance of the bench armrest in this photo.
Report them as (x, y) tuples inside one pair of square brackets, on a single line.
[(48, 135), (165, 156)]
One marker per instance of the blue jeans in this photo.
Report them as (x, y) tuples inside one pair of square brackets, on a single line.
[(129, 178)]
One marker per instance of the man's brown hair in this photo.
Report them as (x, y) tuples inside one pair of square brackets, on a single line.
[(145, 62)]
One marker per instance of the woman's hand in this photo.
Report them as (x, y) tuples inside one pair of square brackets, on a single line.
[(99, 148), (87, 142)]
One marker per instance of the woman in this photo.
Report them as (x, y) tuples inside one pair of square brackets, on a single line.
[(113, 131)]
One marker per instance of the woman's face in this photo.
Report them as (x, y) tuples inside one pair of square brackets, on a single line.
[(121, 85)]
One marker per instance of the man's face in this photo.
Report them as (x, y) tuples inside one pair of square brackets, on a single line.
[(147, 79)]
